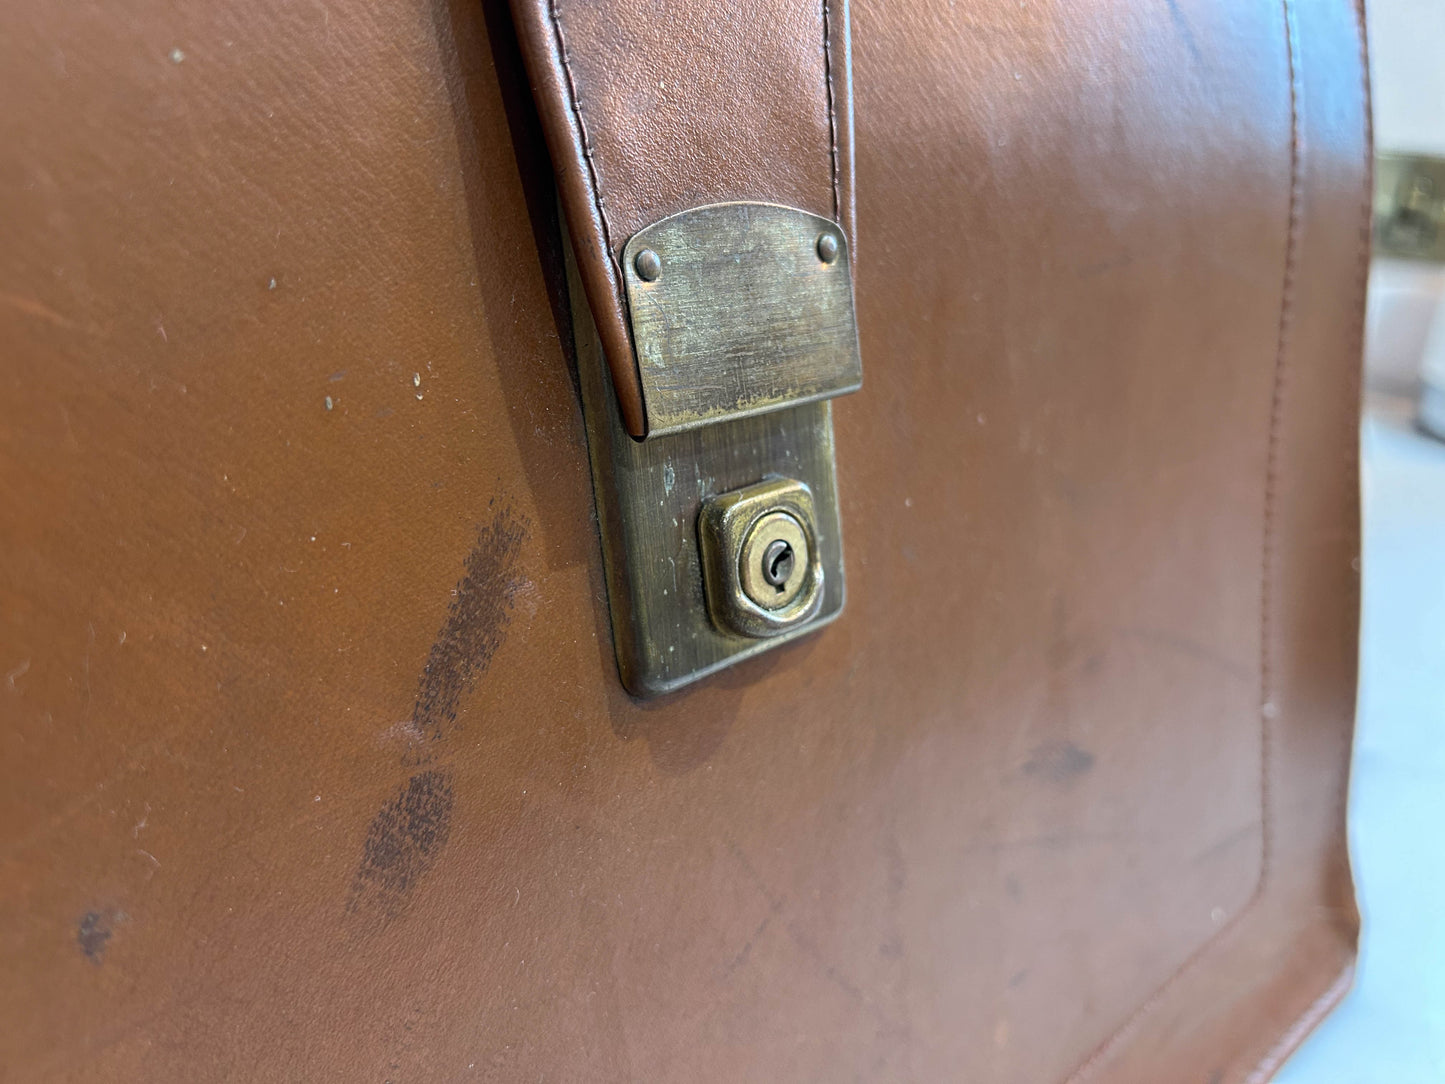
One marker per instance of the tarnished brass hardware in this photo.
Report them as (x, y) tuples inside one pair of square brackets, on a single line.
[(760, 563), (1410, 206), (739, 311), (650, 495), (647, 265)]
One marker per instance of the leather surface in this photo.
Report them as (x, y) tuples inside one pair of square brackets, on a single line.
[(651, 108), (315, 761)]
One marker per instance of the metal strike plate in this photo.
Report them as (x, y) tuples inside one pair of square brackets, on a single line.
[(1409, 206), (651, 496), (739, 309)]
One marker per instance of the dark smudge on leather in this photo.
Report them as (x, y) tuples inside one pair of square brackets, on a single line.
[(407, 835), (404, 841), (475, 627), (1059, 762), (93, 933)]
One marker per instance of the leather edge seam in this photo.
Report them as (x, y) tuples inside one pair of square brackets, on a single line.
[(1266, 709), (586, 220), (576, 106), (1294, 1036), (832, 110)]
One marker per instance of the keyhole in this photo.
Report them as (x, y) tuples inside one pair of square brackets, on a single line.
[(778, 563)]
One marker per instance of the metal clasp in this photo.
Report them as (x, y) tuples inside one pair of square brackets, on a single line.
[(721, 534), (738, 309)]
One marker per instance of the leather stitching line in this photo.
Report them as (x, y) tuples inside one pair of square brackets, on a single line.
[(1335, 993), (1288, 1042), (1267, 709), (832, 110), (576, 104)]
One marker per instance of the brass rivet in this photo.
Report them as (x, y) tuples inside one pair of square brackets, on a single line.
[(648, 265), (827, 247)]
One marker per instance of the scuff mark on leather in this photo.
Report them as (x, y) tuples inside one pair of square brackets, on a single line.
[(1059, 762), (93, 933), (408, 834), (474, 629), (404, 841)]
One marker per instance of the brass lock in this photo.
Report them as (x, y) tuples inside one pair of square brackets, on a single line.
[(760, 559), (773, 560)]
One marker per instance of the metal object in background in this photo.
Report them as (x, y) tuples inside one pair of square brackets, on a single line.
[(1410, 206), (1430, 415), (739, 309), (1430, 408), (1409, 222)]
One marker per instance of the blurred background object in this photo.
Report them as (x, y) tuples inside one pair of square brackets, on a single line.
[(1405, 331), (1391, 1028), (1405, 352)]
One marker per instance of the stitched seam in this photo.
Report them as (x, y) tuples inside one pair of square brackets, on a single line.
[(1267, 709), (1264, 1072), (1337, 990), (576, 104), (832, 109)]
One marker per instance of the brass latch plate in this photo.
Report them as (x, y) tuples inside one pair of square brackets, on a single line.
[(651, 499), (739, 309)]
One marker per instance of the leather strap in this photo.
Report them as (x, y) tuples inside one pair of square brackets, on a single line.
[(651, 108)]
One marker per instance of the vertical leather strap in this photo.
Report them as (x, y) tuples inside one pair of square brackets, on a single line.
[(652, 107)]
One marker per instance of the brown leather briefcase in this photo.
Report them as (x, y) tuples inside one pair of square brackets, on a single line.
[(675, 541)]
